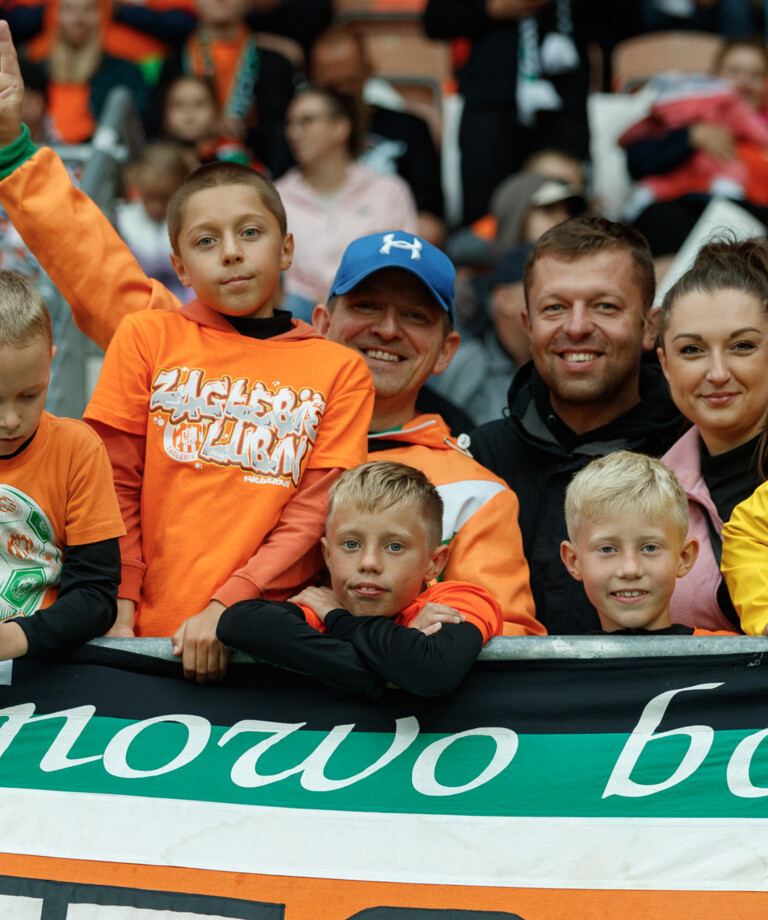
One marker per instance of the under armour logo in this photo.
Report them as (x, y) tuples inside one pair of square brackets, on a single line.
[(390, 242)]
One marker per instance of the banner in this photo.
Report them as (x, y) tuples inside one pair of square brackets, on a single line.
[(539, 790)]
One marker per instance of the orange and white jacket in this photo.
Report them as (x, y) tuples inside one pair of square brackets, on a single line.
[(480, 518)]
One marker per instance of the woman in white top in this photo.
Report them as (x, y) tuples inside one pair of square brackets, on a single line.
[(329, 197)]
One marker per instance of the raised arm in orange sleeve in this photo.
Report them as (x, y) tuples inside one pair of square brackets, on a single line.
[(85, 257)]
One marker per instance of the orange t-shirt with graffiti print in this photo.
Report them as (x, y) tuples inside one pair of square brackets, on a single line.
[(229, 426)]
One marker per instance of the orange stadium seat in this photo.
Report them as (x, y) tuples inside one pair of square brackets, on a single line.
[(636, 59)]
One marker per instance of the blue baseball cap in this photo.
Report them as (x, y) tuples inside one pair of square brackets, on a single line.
[(397, 249)]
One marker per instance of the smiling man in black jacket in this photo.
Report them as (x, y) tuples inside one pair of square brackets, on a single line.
[(589, 287)]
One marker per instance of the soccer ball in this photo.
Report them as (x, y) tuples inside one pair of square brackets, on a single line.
[(30, 561)]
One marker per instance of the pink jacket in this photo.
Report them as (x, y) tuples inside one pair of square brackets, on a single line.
[(366, 203), (694, 602)]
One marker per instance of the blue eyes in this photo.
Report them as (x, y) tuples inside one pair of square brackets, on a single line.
[(394, 547), (249, 233)]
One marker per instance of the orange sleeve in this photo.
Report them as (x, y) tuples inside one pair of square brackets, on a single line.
[(75, 243), (342, 439), (92, 512), (290, 556), (126, 454), (488, 550), (118, 413), (478, 606)]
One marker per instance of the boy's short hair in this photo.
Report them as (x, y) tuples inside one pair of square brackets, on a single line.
[(212, 175), (23, 314), (376, 486), (581, 237), (625, 483)]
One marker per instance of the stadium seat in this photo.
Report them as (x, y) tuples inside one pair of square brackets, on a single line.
[(636, 59)]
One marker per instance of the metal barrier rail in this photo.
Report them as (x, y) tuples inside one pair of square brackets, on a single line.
[(119, 138), (527, 648)]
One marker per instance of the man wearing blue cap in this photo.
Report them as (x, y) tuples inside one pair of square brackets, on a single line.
[(392, 301)]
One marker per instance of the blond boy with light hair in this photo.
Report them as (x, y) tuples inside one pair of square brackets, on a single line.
[(385, 619), (627, 520), (59, 518)]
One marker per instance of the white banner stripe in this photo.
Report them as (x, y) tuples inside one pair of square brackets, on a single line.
[(706, 854)]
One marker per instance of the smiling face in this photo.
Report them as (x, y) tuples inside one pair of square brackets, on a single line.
[(629, 564), (380, 561), (231, 250), (24, 375), (587, 324), (394, 322), (715, 358)]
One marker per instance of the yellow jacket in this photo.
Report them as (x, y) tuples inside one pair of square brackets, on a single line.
[(745, 560)]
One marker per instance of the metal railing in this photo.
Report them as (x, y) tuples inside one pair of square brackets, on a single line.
[(512, 648), (119, 138)]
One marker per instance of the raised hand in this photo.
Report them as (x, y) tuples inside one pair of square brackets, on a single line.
[(11, 88)]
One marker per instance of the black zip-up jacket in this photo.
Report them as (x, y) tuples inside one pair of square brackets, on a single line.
[(537, 454)]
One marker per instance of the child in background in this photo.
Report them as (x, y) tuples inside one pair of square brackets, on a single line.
[(190, 113), (59, 519), (226, 421), (190, 118), (142, 223), (379, 622), (627, 519)]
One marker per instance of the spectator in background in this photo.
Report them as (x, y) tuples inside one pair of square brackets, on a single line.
[(717, 145), (524, 81), (142, 222), (301, 20), (394, 141), (253, 85), (523, 207), (190, 118), (744, 63), (81, 74), (190, 112), (331, 199)]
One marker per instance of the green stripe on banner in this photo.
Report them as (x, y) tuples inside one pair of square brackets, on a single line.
[(684, 772)]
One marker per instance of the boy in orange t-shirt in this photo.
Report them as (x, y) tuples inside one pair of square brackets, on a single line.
[(226, 421), (379, 622), (59, 519)]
